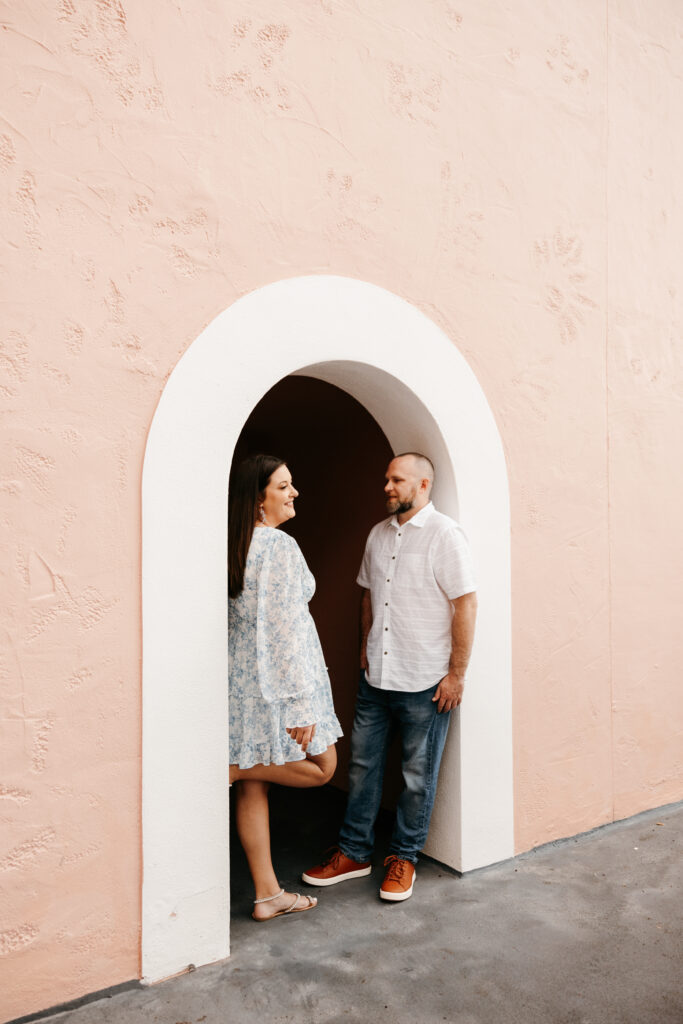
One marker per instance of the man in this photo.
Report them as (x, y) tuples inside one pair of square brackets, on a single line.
[(418, 610)]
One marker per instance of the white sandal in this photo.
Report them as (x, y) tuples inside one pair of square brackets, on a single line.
[(293, 908)]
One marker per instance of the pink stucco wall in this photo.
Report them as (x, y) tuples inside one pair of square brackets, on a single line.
[(511, 168)]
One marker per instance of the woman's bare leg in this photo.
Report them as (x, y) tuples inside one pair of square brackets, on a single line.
[(315, 770), (253, 828)]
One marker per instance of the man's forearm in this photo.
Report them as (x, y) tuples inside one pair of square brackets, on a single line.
[(365, 625), (462, 634)]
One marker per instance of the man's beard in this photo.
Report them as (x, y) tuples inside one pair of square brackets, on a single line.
[(397, 508)]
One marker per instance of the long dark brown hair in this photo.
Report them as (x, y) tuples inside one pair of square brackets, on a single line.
[(247, 485)]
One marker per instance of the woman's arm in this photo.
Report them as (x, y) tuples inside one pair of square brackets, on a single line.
[(288, 651)]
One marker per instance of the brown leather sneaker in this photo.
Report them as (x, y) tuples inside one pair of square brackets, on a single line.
[(336, 867), (399, 879)]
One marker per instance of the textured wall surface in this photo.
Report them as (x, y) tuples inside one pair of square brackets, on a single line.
[(645, 401), (512, 169)]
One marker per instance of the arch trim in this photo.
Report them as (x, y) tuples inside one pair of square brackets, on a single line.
[(424, 395)]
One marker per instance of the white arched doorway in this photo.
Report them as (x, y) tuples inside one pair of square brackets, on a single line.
[(422, 393)]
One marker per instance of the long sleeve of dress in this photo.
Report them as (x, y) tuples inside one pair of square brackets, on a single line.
[(289, 656)]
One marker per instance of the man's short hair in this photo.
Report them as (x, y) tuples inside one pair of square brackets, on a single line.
[(424, 465)]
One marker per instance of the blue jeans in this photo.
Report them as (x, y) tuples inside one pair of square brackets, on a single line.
[(379, 714)]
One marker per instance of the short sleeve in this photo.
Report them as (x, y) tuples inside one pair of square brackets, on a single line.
[(453, 563), (363, 578), (287, 647)]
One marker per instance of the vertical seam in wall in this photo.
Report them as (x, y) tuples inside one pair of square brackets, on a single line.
[(608, 454)]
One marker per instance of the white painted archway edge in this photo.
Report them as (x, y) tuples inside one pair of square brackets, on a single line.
[(423, 394)]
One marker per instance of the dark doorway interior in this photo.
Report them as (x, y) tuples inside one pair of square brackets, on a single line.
[(337, 455)]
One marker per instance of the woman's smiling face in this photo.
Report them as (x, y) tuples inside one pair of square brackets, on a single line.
[(278, 497)]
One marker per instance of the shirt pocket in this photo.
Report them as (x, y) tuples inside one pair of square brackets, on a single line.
[(412, 571)]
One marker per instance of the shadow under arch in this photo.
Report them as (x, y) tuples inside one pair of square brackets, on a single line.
[(422, 393), (337, 454)]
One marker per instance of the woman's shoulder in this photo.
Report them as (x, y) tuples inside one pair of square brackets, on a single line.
[(275, 539)]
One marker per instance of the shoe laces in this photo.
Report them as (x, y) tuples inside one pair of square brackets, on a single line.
[(398, 867), (331, 856)]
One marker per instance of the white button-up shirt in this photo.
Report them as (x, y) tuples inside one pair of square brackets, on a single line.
[(413, 571)]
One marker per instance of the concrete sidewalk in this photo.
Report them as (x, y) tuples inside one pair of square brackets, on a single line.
[(586, 931)]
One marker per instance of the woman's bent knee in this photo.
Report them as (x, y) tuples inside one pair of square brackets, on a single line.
[(330, 765), (327, 764)]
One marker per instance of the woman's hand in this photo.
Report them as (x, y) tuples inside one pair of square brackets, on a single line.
[(303, 734)]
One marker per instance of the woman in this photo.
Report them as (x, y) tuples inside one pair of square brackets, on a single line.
[(282, 722)]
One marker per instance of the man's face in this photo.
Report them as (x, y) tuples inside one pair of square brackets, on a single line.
[(401, 486)]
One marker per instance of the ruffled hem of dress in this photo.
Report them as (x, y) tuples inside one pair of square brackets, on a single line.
[(287, 754)]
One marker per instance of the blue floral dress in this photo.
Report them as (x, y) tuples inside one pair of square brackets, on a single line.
[(277, 678)]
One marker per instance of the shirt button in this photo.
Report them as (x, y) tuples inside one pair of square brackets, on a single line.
[(386, 604), (399, 534), (386, 652), (393, 558), (386, 629), (388, 581)]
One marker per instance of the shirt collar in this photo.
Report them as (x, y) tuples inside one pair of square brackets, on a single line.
[(419, 519)]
